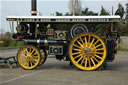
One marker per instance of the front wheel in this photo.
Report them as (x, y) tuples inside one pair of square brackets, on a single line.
[(87, 51), (28, 57)]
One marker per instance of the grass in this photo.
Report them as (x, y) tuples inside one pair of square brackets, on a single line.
[(123, 47), (10, 47)]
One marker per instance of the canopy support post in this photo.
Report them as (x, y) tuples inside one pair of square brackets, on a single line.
[(12, 27)]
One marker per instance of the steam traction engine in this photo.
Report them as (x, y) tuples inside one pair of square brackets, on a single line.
[(72, 38)]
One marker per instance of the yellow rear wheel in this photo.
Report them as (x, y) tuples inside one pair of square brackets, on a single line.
[(87, 51), (28, 57)]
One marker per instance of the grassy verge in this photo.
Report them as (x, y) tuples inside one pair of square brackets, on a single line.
[(123, 47), (10, 47), (12, 44)]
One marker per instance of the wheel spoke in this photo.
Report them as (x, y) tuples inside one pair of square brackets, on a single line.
[(22, 58), (35, 57), (23, 55), (32, 52), (99, 49), (77, 56), (80, 44), (79, 59), (30, 63), (91, 42), (82, 60), (89, 39), (86, 61), (98, 56), (75, 53), (35, 53), (76, 45), (27, 50), (27, 61), (97, 46), (97, 53), (25, 64), (96, 42), (93, 62), (24, 61), (33, 62), (86, 41), (89, 61), (77, 50), (95, 59), (82, 40), (24, 51)]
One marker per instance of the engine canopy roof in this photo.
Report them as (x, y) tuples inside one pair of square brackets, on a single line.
[(64, 18)]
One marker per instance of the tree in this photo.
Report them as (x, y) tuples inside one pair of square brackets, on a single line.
[(127, 11), (75, 7), (120, 10), (59, 14), (123, 28), (92, 13), (67, 14), (126, 18), (103, 11), (87, 12), (7, 34)]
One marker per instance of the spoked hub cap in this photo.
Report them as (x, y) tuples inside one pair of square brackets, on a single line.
[(87, 51), (28, 57)]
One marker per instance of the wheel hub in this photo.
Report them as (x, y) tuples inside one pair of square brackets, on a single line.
[(87, 51), (28, 57)]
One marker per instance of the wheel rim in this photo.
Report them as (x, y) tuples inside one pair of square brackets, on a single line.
[(44, 57), (28, 57), (87, 51)]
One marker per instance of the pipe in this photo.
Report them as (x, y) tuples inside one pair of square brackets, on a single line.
[(34, 7), (43, 41)]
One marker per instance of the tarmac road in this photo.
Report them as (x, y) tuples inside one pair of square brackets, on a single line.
[(55, 72)]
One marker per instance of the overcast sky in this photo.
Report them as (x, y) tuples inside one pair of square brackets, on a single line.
[(46, 7)]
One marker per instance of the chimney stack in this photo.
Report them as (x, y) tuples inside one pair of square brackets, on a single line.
[(34, 7)]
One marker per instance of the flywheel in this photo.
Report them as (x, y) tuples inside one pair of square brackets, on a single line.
[(87, 51)]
